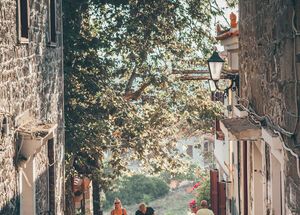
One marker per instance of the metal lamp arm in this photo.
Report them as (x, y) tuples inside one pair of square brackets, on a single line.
[(234, 80)]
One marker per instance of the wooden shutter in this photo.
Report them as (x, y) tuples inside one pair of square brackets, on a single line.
[(51, 176), (222, 198), (245, 172), (214, 178)]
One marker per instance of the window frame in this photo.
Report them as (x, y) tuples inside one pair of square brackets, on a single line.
[(190, 150), (52, 35), (22, 39), (51, 175)]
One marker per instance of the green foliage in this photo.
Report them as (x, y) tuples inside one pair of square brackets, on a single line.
[(121, 98), (232, 3), (122, 102), (191, 173), (209, 159), (202, 188), (136, 189)]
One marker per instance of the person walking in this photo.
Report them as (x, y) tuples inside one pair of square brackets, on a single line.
[(144, 210), (118, 208), (193, 207), (204, 209)]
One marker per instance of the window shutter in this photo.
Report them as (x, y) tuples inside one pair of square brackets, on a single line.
[(222, 198), (214, 178)]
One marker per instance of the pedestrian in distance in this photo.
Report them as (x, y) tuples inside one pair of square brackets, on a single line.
[(118, 208), (204, 209), (144, 210), (193, 207)]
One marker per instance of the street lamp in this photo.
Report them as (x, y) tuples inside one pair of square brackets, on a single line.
[(212, 85), (215, 67)]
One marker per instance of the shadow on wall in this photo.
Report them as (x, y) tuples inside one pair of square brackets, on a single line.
[(234, 210), (11, 207), (39, 194)]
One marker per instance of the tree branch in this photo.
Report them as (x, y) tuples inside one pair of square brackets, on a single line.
[(137, 94), (130, 82)]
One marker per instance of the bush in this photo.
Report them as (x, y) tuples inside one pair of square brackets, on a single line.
[(189, 174), (202, 188), (136, 189)]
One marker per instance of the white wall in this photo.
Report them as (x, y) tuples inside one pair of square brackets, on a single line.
[(276, 185), (195, 141), (258, 188), (221, 153), (27, 189)]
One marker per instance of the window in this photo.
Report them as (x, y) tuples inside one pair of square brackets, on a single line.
[(4, 128), (23, 20), (51, 176), (52, 21), (206, 146), (189, 151)]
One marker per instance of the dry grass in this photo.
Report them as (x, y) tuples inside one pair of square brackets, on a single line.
[(175, 203)]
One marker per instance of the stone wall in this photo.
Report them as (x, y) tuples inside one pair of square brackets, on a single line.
[(8, 175), (41, 194), (270, 75), (31, 81)]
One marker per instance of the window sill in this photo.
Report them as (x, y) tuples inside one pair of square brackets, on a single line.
[(51, 44), (23, 40)]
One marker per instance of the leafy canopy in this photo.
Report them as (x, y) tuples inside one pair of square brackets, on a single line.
[(137, 189), (122, 102)]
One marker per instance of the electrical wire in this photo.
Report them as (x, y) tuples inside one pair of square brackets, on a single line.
[(296, 33), (242, 99), (266, 119), (276, 129), (26, 178), (296, 115), (289, 150)]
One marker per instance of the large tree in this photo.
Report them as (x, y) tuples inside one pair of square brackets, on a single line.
[(122, 102)]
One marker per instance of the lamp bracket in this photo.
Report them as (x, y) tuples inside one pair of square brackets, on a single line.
[(234, 81)]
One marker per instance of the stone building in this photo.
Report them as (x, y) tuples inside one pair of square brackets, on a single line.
[(31, 107), (198, 148), (270, 75), (261, 167)]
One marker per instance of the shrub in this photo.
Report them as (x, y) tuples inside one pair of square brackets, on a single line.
[(189, 174), (202, 188), (136, 189)]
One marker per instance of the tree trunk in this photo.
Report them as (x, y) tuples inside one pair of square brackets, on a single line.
[(70, 207), (96, 198)]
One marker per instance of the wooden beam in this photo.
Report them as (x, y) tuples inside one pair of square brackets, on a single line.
[(196, 78), (201, 71), (190, 71)]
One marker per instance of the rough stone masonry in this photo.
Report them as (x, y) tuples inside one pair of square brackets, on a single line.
[(31, 106), (270, 75)]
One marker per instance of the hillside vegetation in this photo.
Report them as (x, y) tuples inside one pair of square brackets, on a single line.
[(175, 203)]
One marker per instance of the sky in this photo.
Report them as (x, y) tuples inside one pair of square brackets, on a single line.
[(221, 20)]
